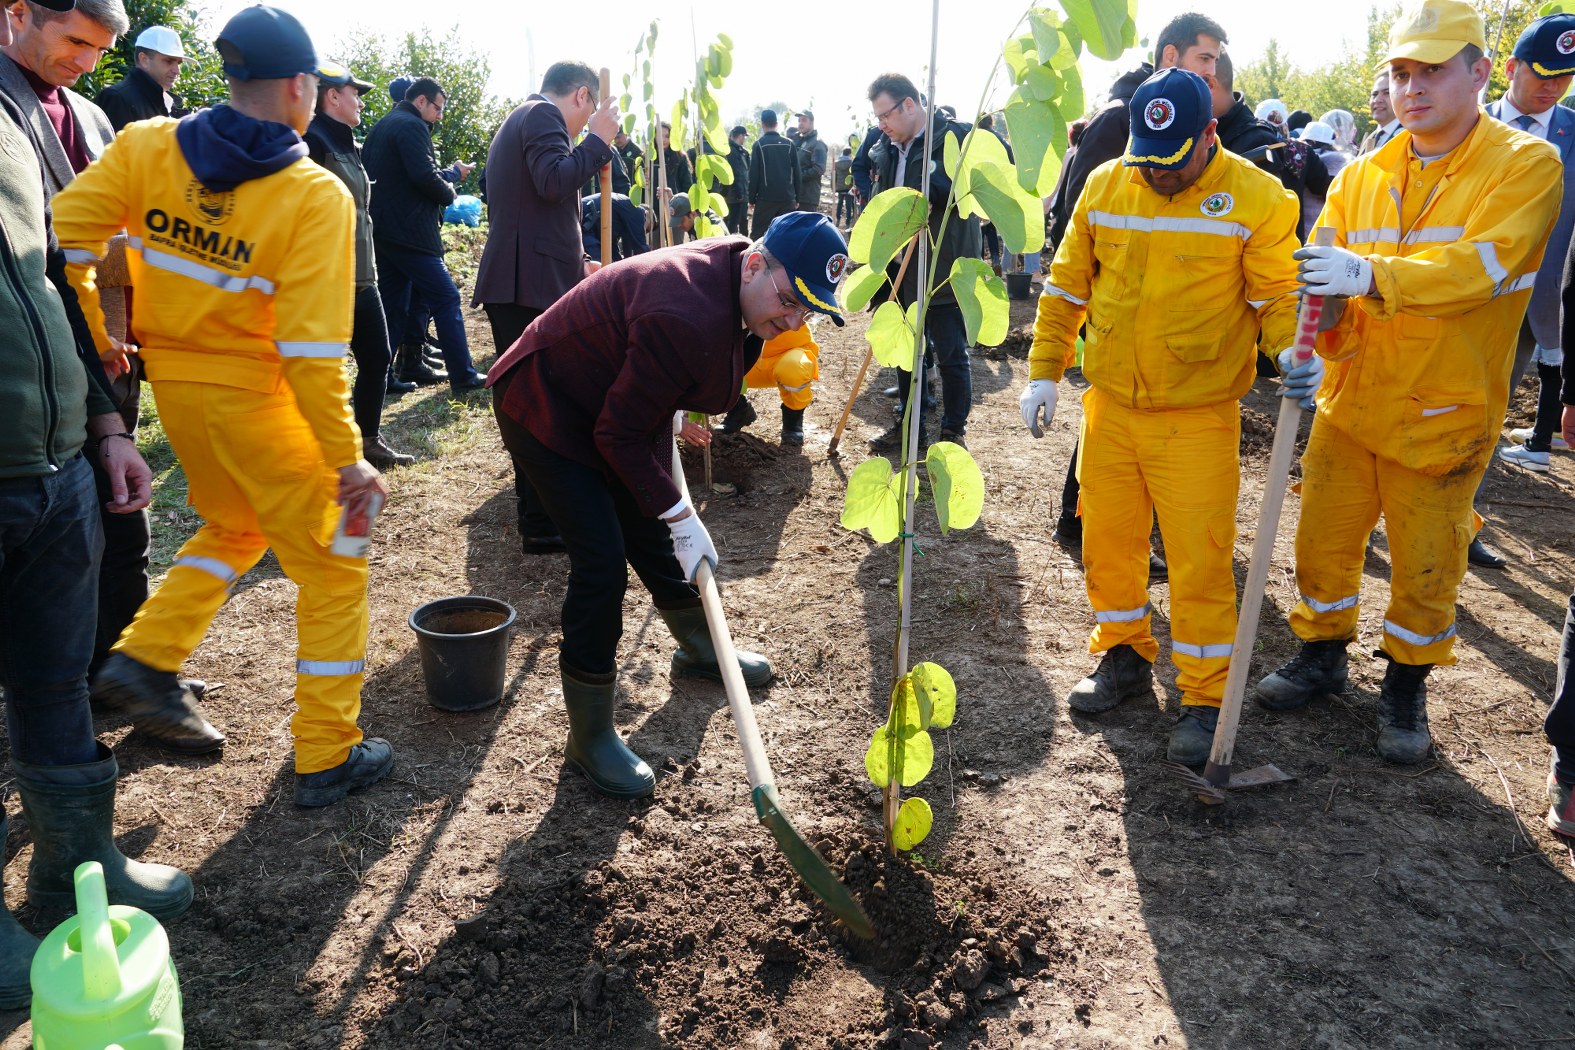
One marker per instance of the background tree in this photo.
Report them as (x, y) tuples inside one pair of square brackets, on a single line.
[(1266, 77)]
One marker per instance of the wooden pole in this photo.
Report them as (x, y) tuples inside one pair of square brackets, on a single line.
[(869, 355), (607, 204)]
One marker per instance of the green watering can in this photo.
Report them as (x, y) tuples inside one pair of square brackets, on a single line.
[(104, 978)]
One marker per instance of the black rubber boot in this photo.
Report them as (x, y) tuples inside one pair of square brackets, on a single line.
[(414, 369), (16, 950), (594, 746), (1122, 675), (71, 813), (696, 656), (1403, 736), (738, 417), (792, 426), (157, 703), (1319, 669)]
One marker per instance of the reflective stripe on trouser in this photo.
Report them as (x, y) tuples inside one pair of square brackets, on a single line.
[(255, 473), (791, 372), (1428, 522), (1180, 463)]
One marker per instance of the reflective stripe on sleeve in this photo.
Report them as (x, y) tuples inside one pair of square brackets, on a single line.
[(179, 264), (312, 349), (793, 389), (211, 566), (1335, 606), (1202, 652), (80, 256), (1390, 627), (1490, 263), (1051, 289), (1122, 615), (330, 667), (1519, 284)]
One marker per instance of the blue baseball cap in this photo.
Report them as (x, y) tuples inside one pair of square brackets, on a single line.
[(815, 256), (1548, 46), (399, 85), (265, 43), (1168, 113)]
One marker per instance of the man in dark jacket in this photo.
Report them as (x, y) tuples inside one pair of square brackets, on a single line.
[(409, 194), (535, 252), (774, 175), (147, 91), (630, 226), (812, 162), (586, 401), (843, 182), (737, 194), (680, 173), (863, 169), (899, 161), (1240, 131)]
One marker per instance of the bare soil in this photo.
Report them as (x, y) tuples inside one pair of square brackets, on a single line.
[(1071, 893)]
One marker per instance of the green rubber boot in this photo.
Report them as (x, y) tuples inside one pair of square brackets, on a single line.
[(71, 813), (594, 746), (16, 950), (697, 657)]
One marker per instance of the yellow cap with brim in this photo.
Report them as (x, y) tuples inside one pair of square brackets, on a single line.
[(1435, 31)]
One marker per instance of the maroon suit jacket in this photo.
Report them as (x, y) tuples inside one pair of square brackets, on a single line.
[(534, 174), (598, 377)]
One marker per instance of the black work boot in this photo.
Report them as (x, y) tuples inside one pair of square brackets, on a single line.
[(70, 812), (696, 656), (594, 746), (1402, 714), (1318, 669), (413, 368), (1193, 736), (398, 387), (738, 417), (378, 453), (792, 426), (157, 703), (16, 950), (368, 762), (1122, 675)]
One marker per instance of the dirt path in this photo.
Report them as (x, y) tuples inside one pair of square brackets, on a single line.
[(1070, 893)]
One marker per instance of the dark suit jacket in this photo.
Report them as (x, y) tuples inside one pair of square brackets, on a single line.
[(534, 174), (598, 377)]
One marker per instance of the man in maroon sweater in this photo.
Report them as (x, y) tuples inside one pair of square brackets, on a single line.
[(586, 402)]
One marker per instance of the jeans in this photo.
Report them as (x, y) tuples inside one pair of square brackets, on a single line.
[(948, 337), (369, 346), (509, 320), (50, 542), (399, 270), (123, 568), (1560, 723), (846, 205), (603, 528)]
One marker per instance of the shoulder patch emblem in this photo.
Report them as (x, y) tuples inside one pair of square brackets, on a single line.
[(1217, 204), (214, 208)]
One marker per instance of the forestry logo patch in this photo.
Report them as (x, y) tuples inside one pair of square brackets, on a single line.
[(1217, 204), (1566, 42), (836, 266), (1159, 114), (214, 208)]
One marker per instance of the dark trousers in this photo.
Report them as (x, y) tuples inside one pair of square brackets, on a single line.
[(605, 531), (418, 321), (123, 569), (50, 540), (369, 347), (992, 244), (1560, 723), (509, 322), (399, 270), (1069, 494), (948, 337), (846, 204), (765, 211)]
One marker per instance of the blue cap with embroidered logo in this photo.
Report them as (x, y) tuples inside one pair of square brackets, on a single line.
[(812, 251), (265, 43), (1548, 46), (1168, 112)]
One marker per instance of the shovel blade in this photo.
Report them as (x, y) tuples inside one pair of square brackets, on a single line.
[(817, 875)]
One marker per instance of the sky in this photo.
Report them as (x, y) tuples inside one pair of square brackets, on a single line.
[(818, 54)]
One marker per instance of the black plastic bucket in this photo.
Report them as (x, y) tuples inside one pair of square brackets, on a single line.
[(464, 645), (1018, 285)]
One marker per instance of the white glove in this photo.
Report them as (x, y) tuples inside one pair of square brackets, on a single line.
[(691, 542), (1332, 271), (678, 421), (1300, 381), (1038, 397)]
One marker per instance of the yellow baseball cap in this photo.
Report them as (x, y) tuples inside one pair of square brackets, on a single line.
[(1435, 31)]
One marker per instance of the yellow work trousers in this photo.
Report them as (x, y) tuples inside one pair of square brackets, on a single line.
[(256, 474), (790, 371), (1429, 523), (1180, 463)]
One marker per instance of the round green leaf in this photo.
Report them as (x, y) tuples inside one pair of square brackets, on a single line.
[(870, 503), (1038, 140), (914, 821), (861, 286), (1102, 24), (933, 684), (878, 759), (982, 298), (891, 336), (910, 710), (886, 225), (1018, 215), (915, 758), (958, 485), (1020, 53)]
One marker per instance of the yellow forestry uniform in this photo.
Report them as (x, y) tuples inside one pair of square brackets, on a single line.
[(1418, 376), (790, 362), (1172, 293), (244, 303)]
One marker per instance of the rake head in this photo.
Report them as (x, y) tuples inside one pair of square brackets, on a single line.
[(1212, 794)]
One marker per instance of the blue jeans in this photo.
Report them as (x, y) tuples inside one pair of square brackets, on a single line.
[(50, 543), (948, 338), (398, 271)]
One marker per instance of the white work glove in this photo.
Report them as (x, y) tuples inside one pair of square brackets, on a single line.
[(1300, 382), (691, 542), (679, 418), (1038, 397), (1332, 271)]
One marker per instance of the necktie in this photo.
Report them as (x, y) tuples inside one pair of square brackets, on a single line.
[(1525, 122)]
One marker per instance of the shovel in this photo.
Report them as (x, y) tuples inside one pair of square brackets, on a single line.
[(1217, 777), (811, 867)]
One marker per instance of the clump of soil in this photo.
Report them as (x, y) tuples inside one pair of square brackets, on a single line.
[(734, 458), (1017, 343), (462, 621)]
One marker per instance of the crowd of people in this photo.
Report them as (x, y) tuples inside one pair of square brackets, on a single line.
[(236, 258)]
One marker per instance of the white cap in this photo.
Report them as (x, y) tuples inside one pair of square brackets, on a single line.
[(1318, 131), (162, 39)]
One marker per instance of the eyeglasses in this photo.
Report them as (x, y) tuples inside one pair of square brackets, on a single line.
[(787, 302), (881, 118)]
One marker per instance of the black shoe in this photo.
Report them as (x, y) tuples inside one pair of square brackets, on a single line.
[(1193, 736), (432, 356), (1403, 736), (368, 762), (892, 391), (382, 457), (1122, 675), (1158, 571), (1069, 533), (414, 369), (954, 436), (466, 386), (157, 704), (738, 417), (1318, 669), (398, 387), (1480, 554), (543, 545), (792, 426)]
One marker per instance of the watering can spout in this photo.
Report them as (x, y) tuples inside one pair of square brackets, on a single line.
[(100, 961)]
